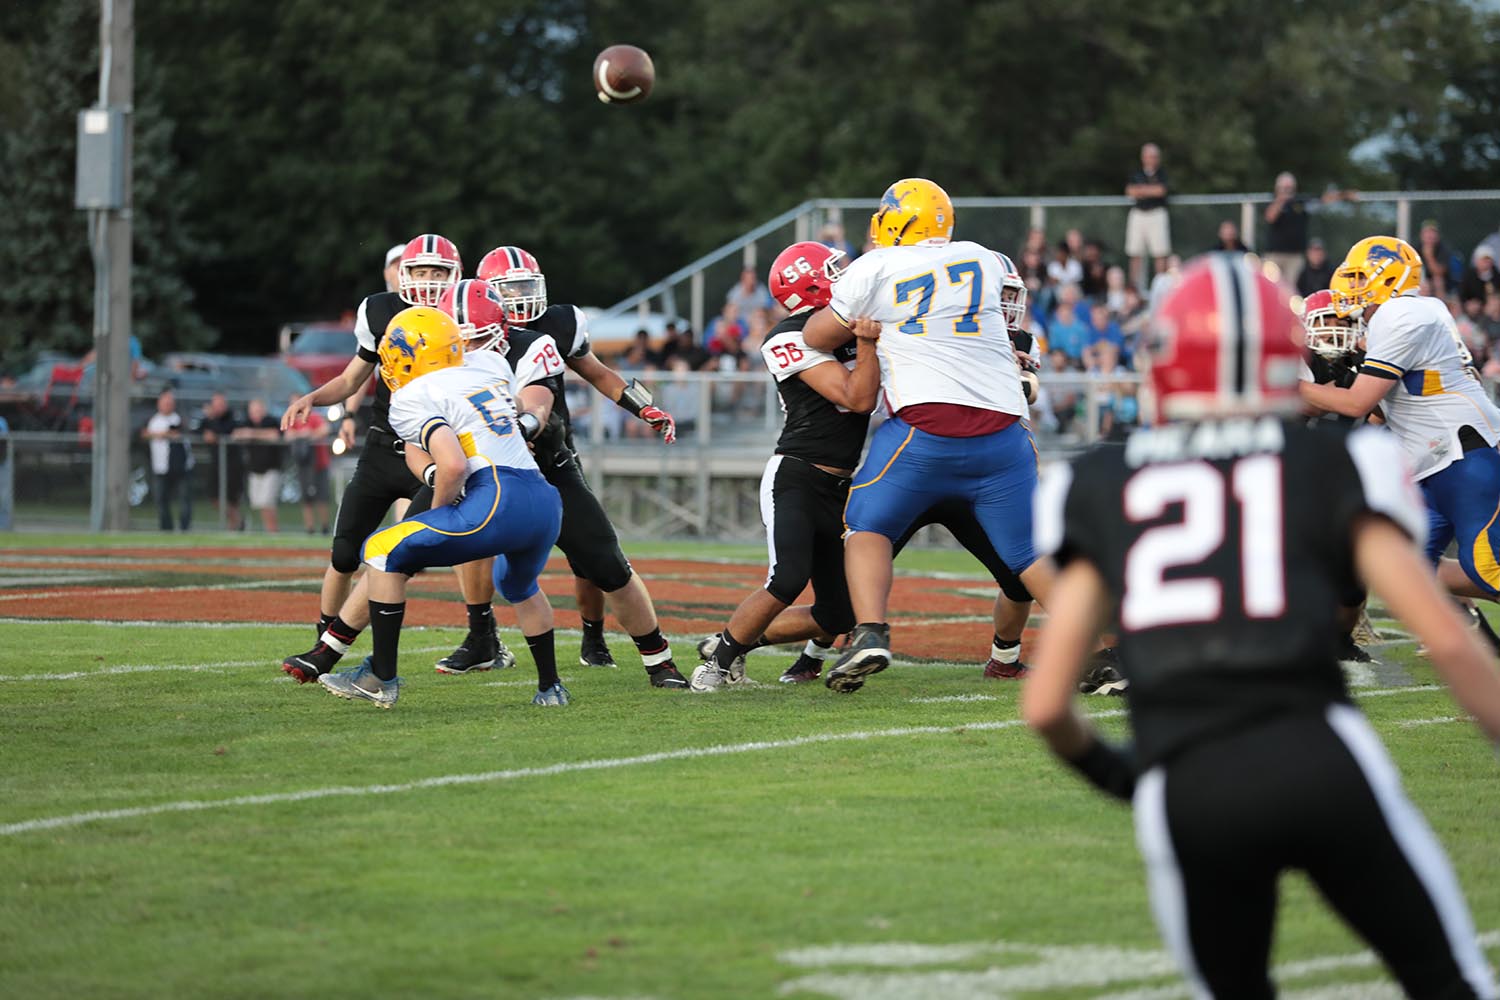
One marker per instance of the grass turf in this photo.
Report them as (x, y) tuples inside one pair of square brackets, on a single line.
[(687, 877)]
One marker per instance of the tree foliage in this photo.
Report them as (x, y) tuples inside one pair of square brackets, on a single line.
[(282, 145)]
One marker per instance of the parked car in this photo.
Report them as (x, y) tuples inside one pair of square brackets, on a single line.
[(197, 376), (318, 350)]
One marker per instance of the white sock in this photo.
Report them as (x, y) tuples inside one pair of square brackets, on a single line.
[(1009, 653)]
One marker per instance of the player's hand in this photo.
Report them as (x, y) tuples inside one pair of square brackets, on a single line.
[(347, 429), (297, 412), (1028, 362), (661, 421), (865, 328)]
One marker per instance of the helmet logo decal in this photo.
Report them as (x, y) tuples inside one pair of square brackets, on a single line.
[(398, 340)]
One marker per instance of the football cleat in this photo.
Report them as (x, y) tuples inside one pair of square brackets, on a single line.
[(594, 653), (708, 678), (478, 652), (1481, 625), (361, 683), (1102, 676), (304, 668), (1350, 654), (554, 695), (807, 668), (666, 676), (997, 671), (708, 645), (868, 652), (1364, 632)]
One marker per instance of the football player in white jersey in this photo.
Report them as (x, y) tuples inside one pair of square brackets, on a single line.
[(1416, 370), (950, 380), (458, 418)]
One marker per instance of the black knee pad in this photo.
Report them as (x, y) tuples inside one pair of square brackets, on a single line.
[(609, 571), (344, 556), (834, 621)]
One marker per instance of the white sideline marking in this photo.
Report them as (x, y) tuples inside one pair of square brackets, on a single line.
[(148, 668), (1408, 689), (481, 777), (116, 591), (1409, 723), (952, 697)]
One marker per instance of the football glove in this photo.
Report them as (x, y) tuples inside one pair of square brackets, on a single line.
[(1108, 767), (661, 421)]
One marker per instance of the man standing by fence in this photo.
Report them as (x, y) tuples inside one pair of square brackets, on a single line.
[(171, 461)]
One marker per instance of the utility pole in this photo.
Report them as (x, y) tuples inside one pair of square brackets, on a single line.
[(104, 188)]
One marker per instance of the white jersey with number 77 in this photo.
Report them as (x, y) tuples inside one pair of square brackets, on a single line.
[(943, 336)]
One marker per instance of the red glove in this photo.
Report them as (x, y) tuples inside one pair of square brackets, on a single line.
[(660, 421)]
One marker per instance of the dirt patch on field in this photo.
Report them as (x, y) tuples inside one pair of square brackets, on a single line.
[(933, 619)]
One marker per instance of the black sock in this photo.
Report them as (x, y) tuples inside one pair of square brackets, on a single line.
[(593, 631), (385, 630), (481, 618), (544, 654), (729, 650), (653, 648), (340, 635), (324, 621)]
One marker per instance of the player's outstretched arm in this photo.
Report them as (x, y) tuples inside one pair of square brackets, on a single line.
[(1077, 613), (1396, 571), (596, 373), (613, 387), (858, 389), (825, 331), (335, 390), (1356, 401)]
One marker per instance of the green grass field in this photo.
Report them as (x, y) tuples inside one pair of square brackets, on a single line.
[(911, 840)]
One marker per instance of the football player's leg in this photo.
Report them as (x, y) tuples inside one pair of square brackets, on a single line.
[(1002, 505), (1471, 503), (593, 650), (517, 574), (1380, 866), (1012, 603)]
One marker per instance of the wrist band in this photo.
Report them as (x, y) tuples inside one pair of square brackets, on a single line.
[(634, 398)]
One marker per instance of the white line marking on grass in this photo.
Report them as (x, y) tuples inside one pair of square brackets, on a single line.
[(952, 697), (197, 587), (1408, 689), (484, 777), (1409, 723), (149, 668)]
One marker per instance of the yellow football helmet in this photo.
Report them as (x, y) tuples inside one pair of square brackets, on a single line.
[(419, 340), (1376, 268), (912, 210)]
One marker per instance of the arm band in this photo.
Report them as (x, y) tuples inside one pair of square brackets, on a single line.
[(429, 474), (634, 398), (1108, 768)]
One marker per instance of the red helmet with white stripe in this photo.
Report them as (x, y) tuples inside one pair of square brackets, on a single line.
[(479, 313), (517, 276), (1328, 333), (1224, 342), (428, 250), (803, 274)]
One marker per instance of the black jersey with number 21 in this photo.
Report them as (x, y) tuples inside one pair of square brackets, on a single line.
[(1226, 544)]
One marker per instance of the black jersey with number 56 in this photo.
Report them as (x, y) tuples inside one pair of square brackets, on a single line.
[(1226, 544), (816, 430)]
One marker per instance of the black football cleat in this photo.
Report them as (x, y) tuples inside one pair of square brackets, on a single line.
[(665, 675), (1351, 653), (868, 652), (1102, 676), (477, 653), (304, 668), (594, 653), (805, 670)]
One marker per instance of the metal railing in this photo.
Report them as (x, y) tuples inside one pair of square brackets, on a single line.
[(1002, 223), (704, 486)]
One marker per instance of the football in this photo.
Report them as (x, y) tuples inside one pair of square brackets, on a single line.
[(623, 74)]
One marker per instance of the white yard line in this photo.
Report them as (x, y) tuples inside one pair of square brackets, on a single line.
[(485, 777), (952, 697), (1409, 723), (197, 587), (151, 668)]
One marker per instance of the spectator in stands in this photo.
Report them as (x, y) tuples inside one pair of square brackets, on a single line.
[(1492, 241), (1064, 269), (1163, 283), (1229, 238), (313, 459), (393, 267), (679, 397), (1115, 287), (1067, 330), (263, 461), (725, 328), (640, 353), (684, 348), (1148, 230), (1036, 239), (761, 321), (1317, 269), (1103, 329), (1489, 322), (1095, 271), (1286, 223), (1440, 266), (1132, 318), (1481, 280), (171, 462), (217, 425), (749, 293), (832, 235)]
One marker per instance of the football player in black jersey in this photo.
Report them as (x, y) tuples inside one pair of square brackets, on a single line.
[(1222, 540), (558, 335), (480, 316), (428, 266), (827, 399)]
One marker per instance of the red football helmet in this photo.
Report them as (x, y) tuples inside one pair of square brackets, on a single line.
[(803, 274), (517, 276), (1328, 333), (480, 315), (1224, 342), (428, 250)]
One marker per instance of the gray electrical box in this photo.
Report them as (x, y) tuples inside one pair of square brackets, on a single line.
[(100, 179)]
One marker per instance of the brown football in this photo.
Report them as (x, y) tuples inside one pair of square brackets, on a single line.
[(623, 74)]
